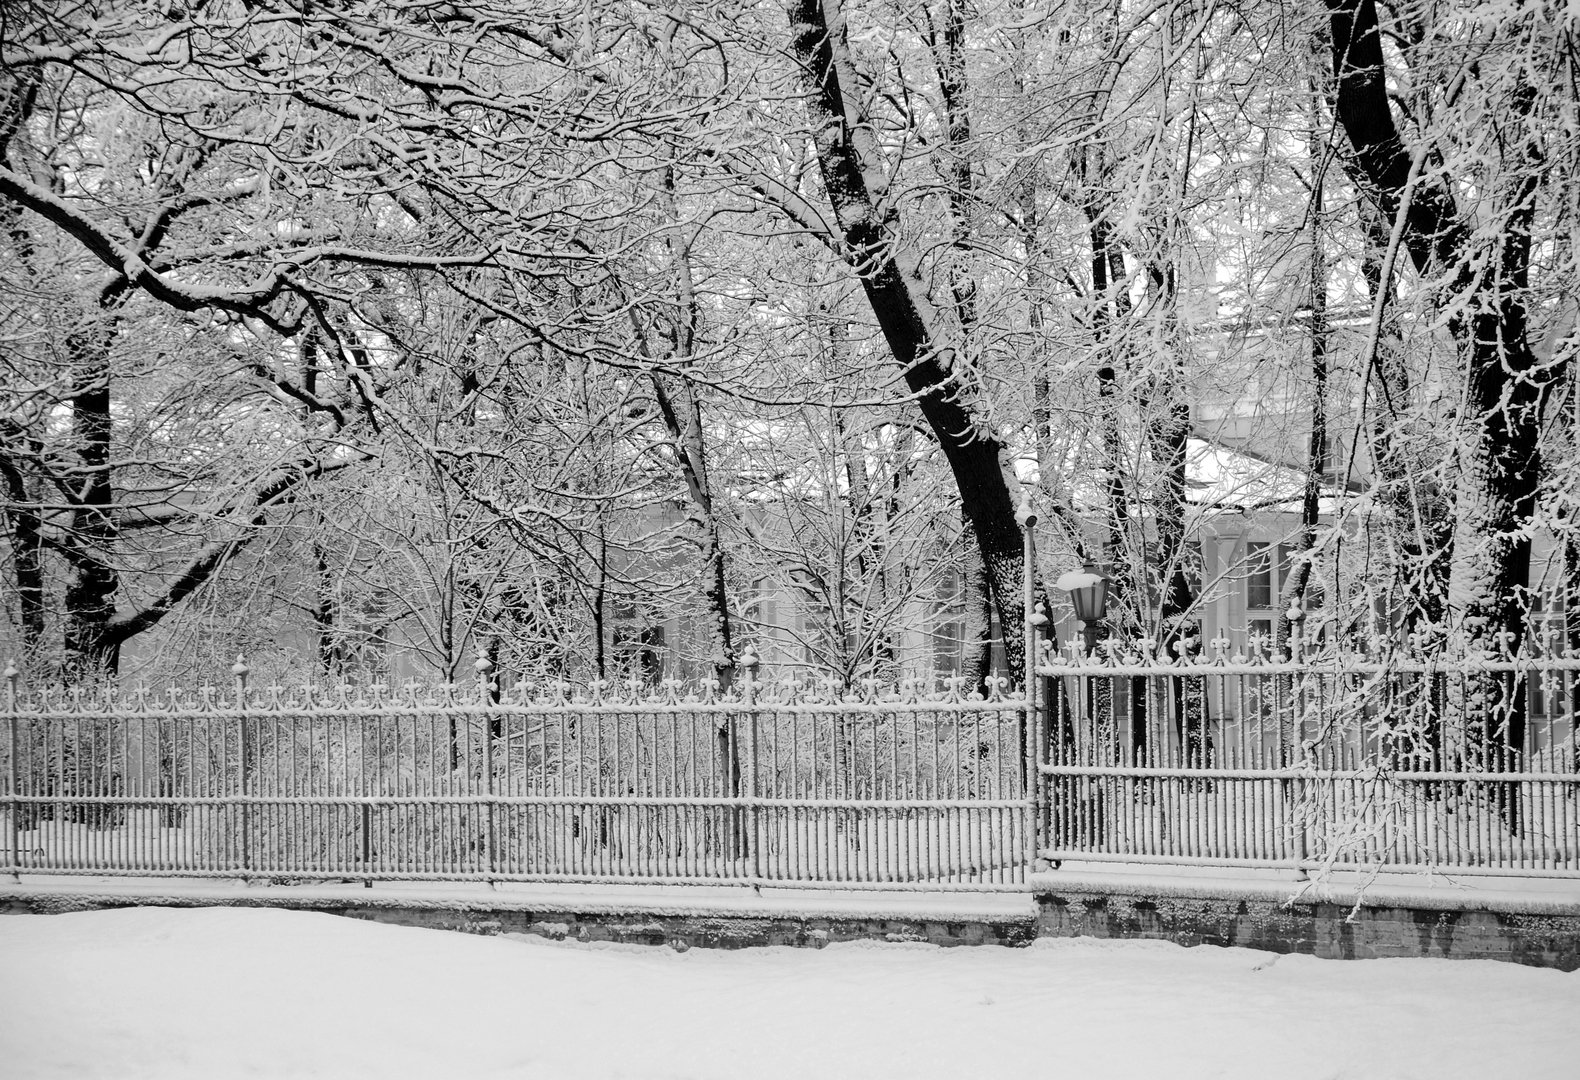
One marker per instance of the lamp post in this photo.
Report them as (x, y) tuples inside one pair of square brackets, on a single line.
[(1088, 589), (1084, 823)]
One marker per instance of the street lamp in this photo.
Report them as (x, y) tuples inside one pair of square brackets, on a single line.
[(1088, 589)]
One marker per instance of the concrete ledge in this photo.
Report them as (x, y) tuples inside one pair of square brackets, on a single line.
[(728, 918), (1540, 927)]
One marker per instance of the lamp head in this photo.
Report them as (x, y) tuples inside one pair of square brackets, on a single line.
[(1088, 589)]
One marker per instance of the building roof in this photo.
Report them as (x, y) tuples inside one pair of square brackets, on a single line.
[(1217, 477)]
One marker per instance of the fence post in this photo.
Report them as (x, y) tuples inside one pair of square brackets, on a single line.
[(749, 662), (1031, 724), (14, 808), (239, 669), (1296, 699), (484, 667), (1298, 821)]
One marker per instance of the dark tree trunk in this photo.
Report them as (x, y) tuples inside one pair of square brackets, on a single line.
[(1122, 583), (324, 616), (681, 409), (23, 514), (91, 651), (1499, 459), (917, 334), (1501, 469), (27, 544), (976, 651)]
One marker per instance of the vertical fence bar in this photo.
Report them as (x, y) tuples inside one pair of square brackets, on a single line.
[(239, 670), (13, 806), (1030, 725), (484, 668), (749, 663)]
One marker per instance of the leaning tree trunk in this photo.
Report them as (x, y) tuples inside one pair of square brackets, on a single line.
[(919, 336)]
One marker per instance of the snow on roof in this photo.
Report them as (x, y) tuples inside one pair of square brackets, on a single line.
[(1218, 477)]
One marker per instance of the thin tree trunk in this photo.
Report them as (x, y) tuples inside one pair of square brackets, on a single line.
[(1297, 583), (1167, 434), (681, 411), (1419, 512), (1055, 501)]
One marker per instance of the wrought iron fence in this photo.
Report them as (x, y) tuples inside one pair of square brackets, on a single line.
[(1344, 761), (769, 785), (1466, 766)]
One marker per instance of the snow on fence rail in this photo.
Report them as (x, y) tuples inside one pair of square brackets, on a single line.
[(1331, 761), (768, 785), (1466, 765)]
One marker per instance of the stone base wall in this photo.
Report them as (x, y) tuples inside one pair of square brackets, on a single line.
[(710, 931), (1319, 928), (1333, 931)]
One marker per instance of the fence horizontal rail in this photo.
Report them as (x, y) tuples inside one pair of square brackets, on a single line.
[(140, 801), (1382, 775), (1330, 664)]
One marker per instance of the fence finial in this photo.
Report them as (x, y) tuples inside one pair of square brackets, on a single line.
[(1025, 513), (11, 671), (240, 670)]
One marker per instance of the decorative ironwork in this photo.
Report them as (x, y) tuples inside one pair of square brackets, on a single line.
[(777, 782), (1240, 756), (1308, 760)]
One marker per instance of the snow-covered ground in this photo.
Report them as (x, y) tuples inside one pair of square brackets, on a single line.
[(229, 992)]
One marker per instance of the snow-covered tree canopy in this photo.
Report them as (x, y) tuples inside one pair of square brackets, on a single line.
[(522, 328)]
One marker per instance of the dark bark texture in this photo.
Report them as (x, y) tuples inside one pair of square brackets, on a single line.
[(917, 336)]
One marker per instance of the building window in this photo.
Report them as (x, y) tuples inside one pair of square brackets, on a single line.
[(1267, 576), (1259, 576)]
